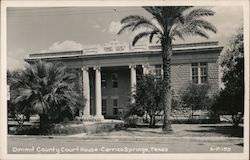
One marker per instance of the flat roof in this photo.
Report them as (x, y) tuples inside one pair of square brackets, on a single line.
[(123, 49)]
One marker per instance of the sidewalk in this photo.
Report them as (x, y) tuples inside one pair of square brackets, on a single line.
[(171, 139), (185, 132)]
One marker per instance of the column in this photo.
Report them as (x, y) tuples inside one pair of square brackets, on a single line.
[(98, 94), (133, 81), (86, 93), (145, 68)]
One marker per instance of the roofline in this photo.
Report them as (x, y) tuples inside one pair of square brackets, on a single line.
[(115, 54), (153, 47)]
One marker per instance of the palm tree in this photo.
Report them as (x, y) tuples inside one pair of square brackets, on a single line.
[(47, 89), (167, 24)]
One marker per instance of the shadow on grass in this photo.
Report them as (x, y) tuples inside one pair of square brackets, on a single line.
[(140, 128), (143, 131), (147, 126), (229, 131), (240, 144)]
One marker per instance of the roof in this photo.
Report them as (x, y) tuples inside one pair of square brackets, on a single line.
[(116, 47)]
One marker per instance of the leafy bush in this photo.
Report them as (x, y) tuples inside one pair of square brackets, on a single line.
[(46, 89), (25, 130), (230, 100), (107, 127), (68, 128), (132, 121), (148, 99), (196, 97)]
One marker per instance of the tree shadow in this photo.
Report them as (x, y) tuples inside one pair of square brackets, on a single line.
[(229, 131), (132, 131), (240, 144), (144, 129)]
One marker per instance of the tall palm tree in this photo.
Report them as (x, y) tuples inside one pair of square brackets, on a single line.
[(167, 24), (47, 89)]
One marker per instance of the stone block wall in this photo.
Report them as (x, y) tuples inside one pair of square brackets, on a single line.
[(181, 77), (213, 78)]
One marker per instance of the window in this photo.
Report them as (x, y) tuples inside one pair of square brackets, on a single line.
[(103, 81), (199, 73), (114, 80), (115, 106), (104, 106), (203, 67), (195, 73), (158, 71)]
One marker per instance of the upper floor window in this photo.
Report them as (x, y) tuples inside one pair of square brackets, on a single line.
[(195, 76), (203, 68), (199, 73), (114, 80), (103, 81)]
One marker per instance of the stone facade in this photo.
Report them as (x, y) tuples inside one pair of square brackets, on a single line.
[(181, 77)]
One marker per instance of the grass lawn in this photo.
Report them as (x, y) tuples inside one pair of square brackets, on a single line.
[(182, 130)]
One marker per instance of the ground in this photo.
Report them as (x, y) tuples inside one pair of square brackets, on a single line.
[(183, 130), (186, 138)]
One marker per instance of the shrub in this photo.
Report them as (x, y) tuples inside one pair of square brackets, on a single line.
[(196, 97), (132, 121), (62, 129), (25, 130), (230, 100), (148, 99), (104, 127)]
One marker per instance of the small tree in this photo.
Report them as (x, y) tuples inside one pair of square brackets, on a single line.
[(45, 89), (148, 98), (231, 99), (196, 97)]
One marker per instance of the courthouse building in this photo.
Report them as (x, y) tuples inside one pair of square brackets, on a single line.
[(109, 72)]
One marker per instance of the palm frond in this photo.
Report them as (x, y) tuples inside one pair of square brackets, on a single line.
[(143, 23), (204, 24), (139, 36), (131, 18), (200, 12), (125, 28), (157, 14), (193, 24), (153, 33), (43, 87), (200, 32), (178, 34), (135, 22)]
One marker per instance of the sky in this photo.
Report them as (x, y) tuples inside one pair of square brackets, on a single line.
[(32, 30)]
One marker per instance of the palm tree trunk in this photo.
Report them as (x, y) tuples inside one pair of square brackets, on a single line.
[(166, 57), (152, 121), (44, 123)]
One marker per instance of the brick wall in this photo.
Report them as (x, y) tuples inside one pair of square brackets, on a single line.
[(213, 78), (181, 77)]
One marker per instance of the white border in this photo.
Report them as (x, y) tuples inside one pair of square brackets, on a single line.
[(3, 86)]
